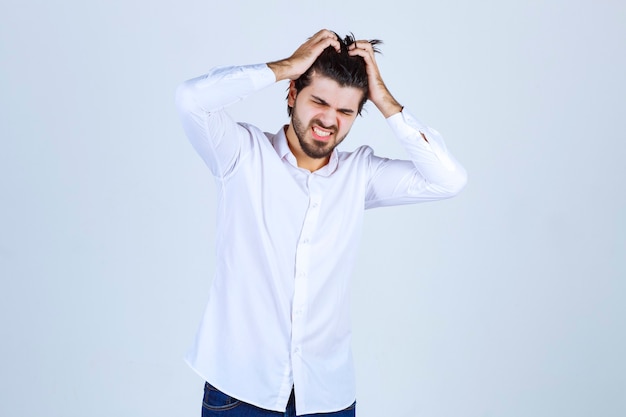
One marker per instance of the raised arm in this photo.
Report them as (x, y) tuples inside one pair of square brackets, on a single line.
[(432, 172), (200, 102)]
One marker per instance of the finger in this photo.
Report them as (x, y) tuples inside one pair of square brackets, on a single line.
[(361, 44), (314, 46), (332, 42), (325, 33), (326, 38), (362, 52)]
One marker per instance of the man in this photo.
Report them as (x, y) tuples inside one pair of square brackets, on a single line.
[(275, 337)]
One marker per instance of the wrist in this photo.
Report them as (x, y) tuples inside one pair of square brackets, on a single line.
[(280, 69), (388, 106)]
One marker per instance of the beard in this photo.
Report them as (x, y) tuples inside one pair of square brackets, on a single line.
[(316, 149)]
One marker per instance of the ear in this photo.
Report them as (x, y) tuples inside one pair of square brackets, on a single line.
[(291, 97)]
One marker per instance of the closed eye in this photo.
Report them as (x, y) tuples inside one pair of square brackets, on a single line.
[(321, 102)]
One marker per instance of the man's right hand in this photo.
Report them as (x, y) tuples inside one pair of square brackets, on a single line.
[(301, 60)]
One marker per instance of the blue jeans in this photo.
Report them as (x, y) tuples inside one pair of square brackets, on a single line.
[(218, 404)]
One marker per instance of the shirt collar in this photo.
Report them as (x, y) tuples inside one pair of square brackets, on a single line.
[(282, 149)]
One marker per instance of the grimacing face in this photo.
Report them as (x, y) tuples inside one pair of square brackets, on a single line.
[(323, 113)]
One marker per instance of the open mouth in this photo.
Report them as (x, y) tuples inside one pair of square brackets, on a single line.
[(321, 134)]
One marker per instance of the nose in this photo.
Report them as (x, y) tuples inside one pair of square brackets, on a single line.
[(328, 118)]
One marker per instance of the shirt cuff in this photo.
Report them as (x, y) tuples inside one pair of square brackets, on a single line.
[(263, 75), (409, 129), (404, 124), (255, 76)]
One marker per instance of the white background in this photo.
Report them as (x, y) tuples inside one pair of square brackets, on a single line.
[(508, 300)]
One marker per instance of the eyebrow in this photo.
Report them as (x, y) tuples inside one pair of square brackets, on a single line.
[(325, 103)]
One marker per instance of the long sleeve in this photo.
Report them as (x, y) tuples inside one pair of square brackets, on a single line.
[(218, 139), (286, 241), (431, 173)]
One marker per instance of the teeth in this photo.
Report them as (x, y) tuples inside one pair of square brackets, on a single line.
[(319, 132)]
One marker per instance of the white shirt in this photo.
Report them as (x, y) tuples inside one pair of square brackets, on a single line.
[(278, 314)]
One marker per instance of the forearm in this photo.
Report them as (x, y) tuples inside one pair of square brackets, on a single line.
[(222, 86), (387, 105), (214, 135), (282, 70)]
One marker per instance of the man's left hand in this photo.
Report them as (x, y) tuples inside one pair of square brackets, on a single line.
[(378, 92)]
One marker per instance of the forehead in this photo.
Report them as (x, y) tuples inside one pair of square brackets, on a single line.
[(332, 93)]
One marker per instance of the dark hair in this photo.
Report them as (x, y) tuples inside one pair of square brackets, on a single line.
[(346, 70)]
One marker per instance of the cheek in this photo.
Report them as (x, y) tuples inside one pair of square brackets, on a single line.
[(306, 114), (345, 124)]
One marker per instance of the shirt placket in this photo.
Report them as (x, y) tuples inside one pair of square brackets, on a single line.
[(299, 308)]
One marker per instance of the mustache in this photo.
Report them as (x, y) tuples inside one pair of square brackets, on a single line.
[(318, 122)]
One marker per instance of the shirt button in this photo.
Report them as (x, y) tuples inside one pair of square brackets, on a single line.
[(305, 241)]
